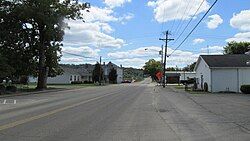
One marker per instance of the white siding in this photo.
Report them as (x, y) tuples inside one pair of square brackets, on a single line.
[(186, 75), (244, 76), (63, 79), (203, 69), (119, 75), (224, 80)]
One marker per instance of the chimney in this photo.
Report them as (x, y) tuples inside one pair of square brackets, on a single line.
[(104, 63), (121, 66)]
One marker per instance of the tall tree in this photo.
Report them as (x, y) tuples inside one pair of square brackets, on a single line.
[(97, 73), (5, 69), (152, 67), (37, 27), (113, 76), (237, 47), (189, 67)]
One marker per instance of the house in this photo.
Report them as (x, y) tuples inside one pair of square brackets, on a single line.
[(69, 75), (222, 73), (177, 76), (119, 70), (83, 73)]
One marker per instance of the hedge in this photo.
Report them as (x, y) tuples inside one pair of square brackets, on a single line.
[(245, 89)]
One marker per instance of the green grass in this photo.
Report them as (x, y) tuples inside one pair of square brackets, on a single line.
[(179, 87), (31, 87)]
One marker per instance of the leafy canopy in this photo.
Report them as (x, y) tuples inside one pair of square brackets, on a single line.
[(237, 47)]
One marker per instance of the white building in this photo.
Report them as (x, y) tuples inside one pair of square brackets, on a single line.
[(177, 76), (119, 70), (70, 75), (222, 73)]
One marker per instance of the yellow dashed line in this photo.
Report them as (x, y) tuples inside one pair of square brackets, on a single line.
[(19, 122)]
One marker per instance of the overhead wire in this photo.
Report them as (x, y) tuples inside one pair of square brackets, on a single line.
[(194, 28), (189, 21), (182, 18)]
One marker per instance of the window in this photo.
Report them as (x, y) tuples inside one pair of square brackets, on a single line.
[(70, 78)]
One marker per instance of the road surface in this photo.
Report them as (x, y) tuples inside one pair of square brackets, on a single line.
[(127, 112)]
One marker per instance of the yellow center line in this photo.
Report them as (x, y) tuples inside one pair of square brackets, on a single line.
[(19, 122)]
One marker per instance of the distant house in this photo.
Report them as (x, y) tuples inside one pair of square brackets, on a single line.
[(107, 68), (220, 73), (82, 73), (70, 75)]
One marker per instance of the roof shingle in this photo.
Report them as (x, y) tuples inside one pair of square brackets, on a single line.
[(230, 60)]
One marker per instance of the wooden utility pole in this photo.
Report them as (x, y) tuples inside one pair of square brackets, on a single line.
[(165, 56), (100, 75)]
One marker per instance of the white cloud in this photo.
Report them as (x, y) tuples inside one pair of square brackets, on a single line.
[(212, 50), (241, 20), (116, 3), (99, 14), (132, 62), (140, 56), (198, 41), (240, 37), (214, 21), (96, 29), (167, 10), (139, 52)]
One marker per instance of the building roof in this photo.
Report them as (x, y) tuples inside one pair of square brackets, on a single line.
[(227, 61)]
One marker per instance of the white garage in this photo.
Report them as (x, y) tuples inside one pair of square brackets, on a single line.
[(222, 73)]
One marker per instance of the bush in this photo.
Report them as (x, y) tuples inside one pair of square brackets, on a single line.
[(76, 82), (245, 89), (2, 88), (205, 87), (11, 88), (88, 82)]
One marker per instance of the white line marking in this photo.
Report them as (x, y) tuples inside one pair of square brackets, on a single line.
[(4, 102), (14, 101)]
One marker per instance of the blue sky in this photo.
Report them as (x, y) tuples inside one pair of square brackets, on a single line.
[(121, 30)]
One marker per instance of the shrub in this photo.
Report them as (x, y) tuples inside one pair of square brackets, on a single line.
[(11, 88), (88, 82), (76, 82), (245, 89), (205, 87), (2, 88)]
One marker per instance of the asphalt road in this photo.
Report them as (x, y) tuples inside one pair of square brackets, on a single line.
[(127, 112)]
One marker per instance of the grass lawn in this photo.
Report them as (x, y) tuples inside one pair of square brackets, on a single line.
[(31, 87)]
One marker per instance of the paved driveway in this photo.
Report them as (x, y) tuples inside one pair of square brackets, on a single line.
[(206, 116)]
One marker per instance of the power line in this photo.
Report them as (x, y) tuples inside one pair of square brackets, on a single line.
[(182, 18), (189, 21), (194, 27), (78, 55)]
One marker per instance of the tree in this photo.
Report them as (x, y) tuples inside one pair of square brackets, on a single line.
[(152, 67), (113, 76), (189, 67), (37, 27), (237, 47), (5, 69), (97, 72)]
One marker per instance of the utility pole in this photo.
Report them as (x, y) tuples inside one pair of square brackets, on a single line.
[(165, 56), (100, 77), (208, 50)]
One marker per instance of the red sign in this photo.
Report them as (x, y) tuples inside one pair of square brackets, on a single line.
[(159, 75)]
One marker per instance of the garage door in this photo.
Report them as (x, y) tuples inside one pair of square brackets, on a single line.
[(224, 80)]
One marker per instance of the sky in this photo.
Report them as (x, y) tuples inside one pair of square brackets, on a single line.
[(127, 32)]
